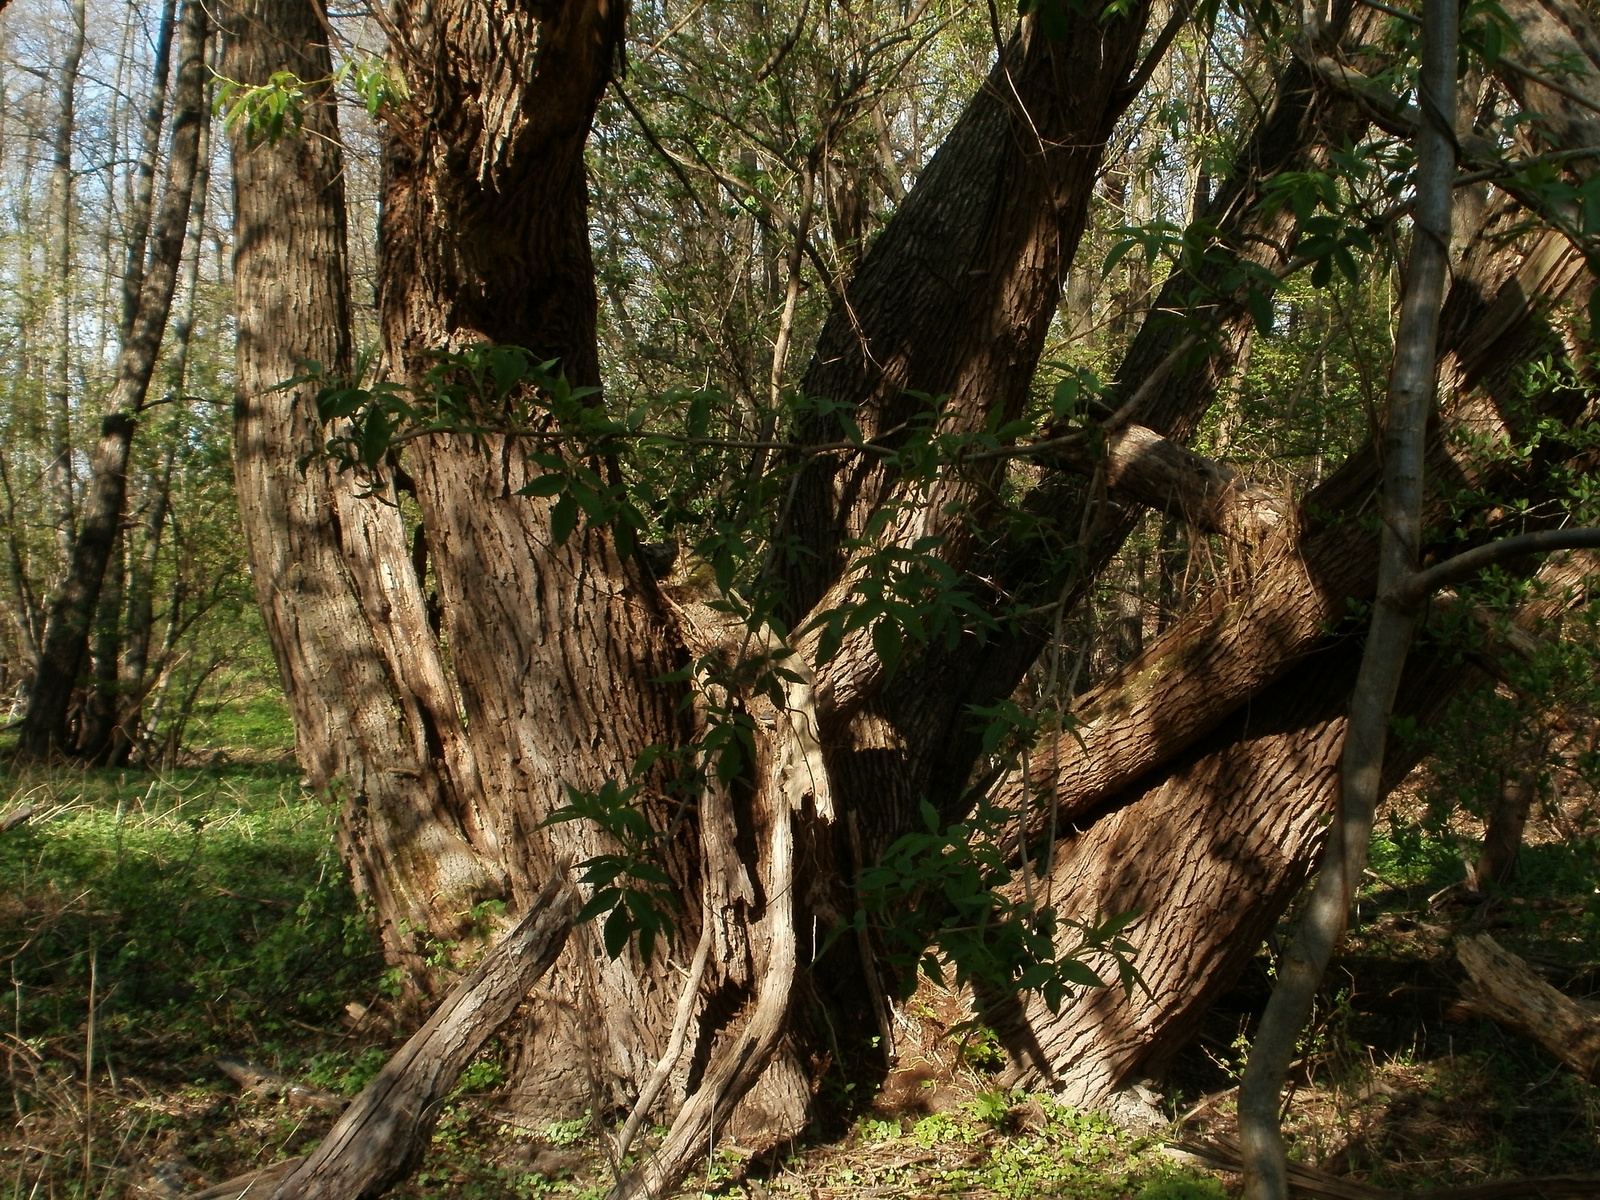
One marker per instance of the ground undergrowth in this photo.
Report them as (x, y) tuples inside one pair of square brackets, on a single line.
[(202, 914)]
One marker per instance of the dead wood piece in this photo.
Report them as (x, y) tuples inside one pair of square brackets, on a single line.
[(251, 1184), (1507, 990), (17, 816), (384, 1131), (261, 1082)]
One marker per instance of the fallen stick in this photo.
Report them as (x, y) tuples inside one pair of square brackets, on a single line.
[(384, 1132), (17, 816)]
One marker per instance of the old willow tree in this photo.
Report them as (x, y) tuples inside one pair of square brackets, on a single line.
[(810, 719)]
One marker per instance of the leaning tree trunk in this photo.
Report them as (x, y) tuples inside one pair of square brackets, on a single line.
[(44, 730), (915, 738), (1233, 711)]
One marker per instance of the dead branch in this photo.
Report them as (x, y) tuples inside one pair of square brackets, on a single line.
[(384, 1131), (1506, 989)]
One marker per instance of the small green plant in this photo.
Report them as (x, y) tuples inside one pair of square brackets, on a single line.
[(872, 1130), (981, 1049), (993, 1108), (346, 1073), (568, 1133), (1178, 1187), (481, 1076)]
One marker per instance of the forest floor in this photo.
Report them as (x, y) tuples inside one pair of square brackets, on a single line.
[(201, 914)]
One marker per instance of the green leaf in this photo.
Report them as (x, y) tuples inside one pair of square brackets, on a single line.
[(617, 930), (545, 486), (1260, 304), (1074, 971), (602, 901), (887, 645), (563, 519)]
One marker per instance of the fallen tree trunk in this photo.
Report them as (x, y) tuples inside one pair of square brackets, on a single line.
[(1506, 989), (385, 1130)]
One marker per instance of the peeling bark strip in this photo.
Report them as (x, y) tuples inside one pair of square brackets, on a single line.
[(385, 1129), (1505, 989)]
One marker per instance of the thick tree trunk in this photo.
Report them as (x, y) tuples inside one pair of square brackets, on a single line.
[(957, 293), (1233, 646), (66, 630), (1287, 779), (1211, 848), (362, 734), (917, 739)]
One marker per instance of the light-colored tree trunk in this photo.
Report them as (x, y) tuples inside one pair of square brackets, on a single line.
[(1412, 383)]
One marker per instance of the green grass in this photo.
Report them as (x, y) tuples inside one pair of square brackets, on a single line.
[(209, 906), (261, 724)]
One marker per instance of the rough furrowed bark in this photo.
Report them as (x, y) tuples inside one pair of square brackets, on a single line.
[(385, 1130), (555, 649), (916, 739), (957, 293), (1233, 646), (1099, 1042), (72, 610), (559, 650), (313, 541), (1210, 849)]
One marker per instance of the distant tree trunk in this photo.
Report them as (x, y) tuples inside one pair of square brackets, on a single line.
[(44, 729), (145, 179), (105, 652), (133, 684), (59, 398), (1502, 832), (158, 491)]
